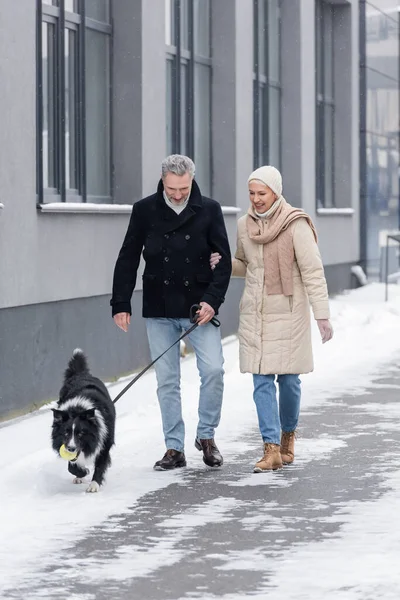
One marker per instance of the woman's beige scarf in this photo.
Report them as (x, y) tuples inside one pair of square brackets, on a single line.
[(276, 236)]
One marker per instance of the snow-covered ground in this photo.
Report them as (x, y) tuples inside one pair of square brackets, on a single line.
[(42, 513)]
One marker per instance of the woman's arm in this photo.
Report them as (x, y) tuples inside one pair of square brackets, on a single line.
[(311, 268)]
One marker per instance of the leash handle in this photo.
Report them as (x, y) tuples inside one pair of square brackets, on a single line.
[(194, 316)]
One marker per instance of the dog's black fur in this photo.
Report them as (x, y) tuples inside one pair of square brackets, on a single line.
[(84, 421)]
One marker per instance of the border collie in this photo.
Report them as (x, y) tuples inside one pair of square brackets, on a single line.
[(84, 421)]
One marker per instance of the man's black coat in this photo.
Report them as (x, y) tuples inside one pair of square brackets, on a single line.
[(176, 250)]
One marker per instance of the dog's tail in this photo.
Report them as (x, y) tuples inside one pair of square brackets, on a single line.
[(77, 364)]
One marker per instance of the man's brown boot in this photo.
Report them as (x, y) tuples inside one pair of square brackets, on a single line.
[(211, 455), (287, 446), (271, 460)]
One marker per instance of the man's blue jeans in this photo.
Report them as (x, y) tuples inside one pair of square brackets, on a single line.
[(272, 421), (206, 342)]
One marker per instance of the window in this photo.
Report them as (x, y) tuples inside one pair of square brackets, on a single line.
[(267, 87), (325, 106), (73, 110), (188, 102)]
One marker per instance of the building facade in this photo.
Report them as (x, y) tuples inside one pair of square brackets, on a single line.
[(96, 92), (380, 133)]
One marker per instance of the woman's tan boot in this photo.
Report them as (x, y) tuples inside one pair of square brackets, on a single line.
[(271, 460), (287, 446)]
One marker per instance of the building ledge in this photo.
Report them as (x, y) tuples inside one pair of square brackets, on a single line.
[(84, 207), (90, 208), (230, 210), (348, 212)]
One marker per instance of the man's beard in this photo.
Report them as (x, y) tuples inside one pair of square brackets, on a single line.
[(177, 202)]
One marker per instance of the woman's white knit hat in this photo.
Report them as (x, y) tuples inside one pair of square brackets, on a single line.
[(270, 176)]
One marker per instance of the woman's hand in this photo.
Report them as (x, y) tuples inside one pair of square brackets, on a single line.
[(215, 257), (325, 329)]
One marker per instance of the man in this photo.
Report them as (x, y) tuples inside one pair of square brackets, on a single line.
[(177, 228)]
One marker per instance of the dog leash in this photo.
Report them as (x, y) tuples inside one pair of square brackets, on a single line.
[(193, 319)]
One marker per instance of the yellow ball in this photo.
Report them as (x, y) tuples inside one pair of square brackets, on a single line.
[(67, 455)]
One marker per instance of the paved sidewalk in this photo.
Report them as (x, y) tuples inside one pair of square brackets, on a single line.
[(231, 532)]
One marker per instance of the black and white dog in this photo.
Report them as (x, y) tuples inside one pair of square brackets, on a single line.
[(84, 421)]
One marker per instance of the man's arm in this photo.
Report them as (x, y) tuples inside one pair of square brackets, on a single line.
[(218, 240), (127, 264)]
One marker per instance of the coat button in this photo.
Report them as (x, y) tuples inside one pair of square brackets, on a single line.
[(186, 283), (166, 236), (166, 281), (166, 259), (187, 260), (187, 237)]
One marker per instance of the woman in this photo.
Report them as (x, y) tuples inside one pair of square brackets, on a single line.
[(277, 253)]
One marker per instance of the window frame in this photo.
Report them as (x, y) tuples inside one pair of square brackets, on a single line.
[(262, 83), (324, 102), (64, 20)]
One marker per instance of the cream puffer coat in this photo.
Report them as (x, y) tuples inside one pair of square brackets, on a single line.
[(275, 330)]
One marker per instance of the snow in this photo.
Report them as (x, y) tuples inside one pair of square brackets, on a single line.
[(43, 514)]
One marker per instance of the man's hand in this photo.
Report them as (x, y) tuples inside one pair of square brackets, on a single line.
[(325, 329), (122, 320), (205, 314), (215, 257)]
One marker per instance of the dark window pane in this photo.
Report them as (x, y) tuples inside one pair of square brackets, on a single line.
[(97, 78), (319, 47), (264, 125), (274, 41), (328, 50), (202, 119), (98, 10), (169, 108), (260, 124), (255, 36), (184, 24), (255, 125), (274, 134), (49, 95), (262, 37), (325, 142), (320, 155), (183, 108), (201, 20), (328, 156), (71, 115)]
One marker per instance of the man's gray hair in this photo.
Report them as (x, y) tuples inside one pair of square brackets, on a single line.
[(177, 164)]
